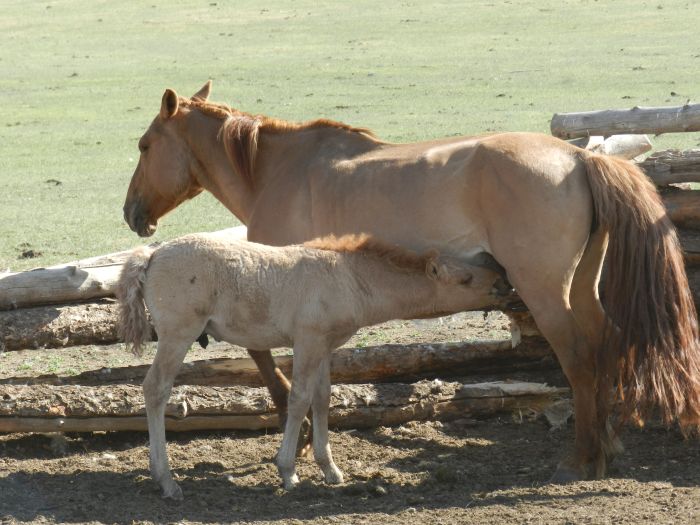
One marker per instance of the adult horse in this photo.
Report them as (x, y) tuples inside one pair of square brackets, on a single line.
[(547, 211)]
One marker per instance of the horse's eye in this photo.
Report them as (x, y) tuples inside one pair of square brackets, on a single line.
[(143, 147)]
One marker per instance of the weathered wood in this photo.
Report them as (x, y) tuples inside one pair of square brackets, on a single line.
[(59, 326), (72, 408), (625, 146), (673, 166), (638, 120), (348, 365), (57, 285), (683, 207)]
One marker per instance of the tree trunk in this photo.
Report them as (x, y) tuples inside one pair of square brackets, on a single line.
[(348, 365), (637, 120), (76, 409)]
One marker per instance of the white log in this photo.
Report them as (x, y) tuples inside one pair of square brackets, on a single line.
[(625, 146), (638, 120)]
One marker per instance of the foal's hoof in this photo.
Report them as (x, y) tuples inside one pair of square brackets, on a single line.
[(333, 476), (290, 482), (173, 491)]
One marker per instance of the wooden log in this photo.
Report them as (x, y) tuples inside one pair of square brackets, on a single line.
[(625, 146), (638, 120), (348, 365), (57, 285), (673, 166), (78, 409), (59, 326), (683, 207)]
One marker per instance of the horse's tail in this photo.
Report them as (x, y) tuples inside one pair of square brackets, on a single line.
[(651, 351), (134, 328)]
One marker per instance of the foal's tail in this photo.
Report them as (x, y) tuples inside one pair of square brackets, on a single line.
[(651, 352), (134, 327)]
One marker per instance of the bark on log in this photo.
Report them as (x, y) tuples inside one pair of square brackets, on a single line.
[(77, 409), (673, 166), (348, 365), (637, 120), (58, 326)]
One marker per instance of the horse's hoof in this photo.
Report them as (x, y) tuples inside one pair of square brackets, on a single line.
[(565, 474), (173, 491)]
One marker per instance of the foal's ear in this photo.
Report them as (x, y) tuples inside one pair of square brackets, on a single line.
[(204, 91), (169, 104)]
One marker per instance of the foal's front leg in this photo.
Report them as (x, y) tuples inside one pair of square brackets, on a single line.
[(320, 405), (304, 379)]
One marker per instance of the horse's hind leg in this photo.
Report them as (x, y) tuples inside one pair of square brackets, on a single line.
[(156, 390)]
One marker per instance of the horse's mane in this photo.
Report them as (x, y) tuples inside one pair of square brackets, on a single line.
[(363, 243), (241, 130)]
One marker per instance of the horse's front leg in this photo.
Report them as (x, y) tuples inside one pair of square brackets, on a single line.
[(279, 387)]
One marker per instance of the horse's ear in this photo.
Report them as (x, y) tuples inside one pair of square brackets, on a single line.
[(169, 105), (203, 93)]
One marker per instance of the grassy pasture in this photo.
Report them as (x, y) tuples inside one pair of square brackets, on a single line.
[(80, 81)]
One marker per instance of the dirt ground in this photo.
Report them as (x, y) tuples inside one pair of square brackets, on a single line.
[(465, 471)]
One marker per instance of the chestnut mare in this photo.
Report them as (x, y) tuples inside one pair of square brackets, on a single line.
[(547, 211)]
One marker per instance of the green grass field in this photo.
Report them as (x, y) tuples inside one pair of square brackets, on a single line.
[(81, 80)]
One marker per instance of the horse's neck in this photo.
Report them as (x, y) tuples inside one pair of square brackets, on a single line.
[(217, 175)]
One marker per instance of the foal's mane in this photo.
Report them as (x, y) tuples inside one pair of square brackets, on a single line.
[(241, 130), (363, 243)]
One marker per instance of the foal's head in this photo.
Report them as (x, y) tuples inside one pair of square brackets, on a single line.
[(166, 173)]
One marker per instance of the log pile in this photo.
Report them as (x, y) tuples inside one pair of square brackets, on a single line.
[(121, 407)]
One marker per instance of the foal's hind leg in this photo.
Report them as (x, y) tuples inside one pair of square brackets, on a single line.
[(156, 390)]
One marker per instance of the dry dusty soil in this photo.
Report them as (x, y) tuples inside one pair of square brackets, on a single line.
[(466, 471)]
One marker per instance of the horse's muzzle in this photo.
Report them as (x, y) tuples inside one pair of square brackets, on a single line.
[(138, 221)]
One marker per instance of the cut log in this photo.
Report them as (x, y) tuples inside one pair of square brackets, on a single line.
[(673, 166), (625, 146), (86, 409), (683, 207), (637, 120), (348, 365)]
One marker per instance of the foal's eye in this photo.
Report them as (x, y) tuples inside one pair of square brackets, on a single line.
[(143, 147)]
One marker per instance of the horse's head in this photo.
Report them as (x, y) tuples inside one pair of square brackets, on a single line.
[(166, 172)]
